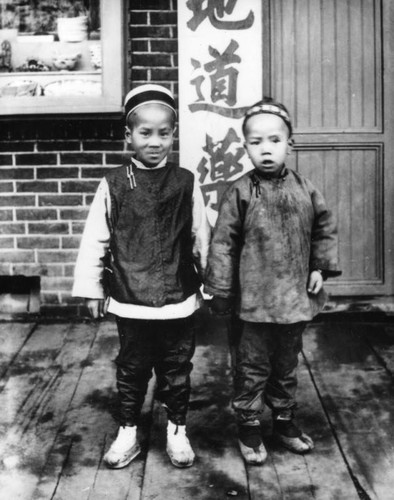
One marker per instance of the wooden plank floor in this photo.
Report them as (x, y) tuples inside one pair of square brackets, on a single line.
[(57, 400)]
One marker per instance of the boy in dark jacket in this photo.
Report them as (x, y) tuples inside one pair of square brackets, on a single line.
[(147, 226), (274, 243)]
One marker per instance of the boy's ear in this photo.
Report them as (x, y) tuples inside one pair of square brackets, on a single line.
[(290, 144), (127, 134)]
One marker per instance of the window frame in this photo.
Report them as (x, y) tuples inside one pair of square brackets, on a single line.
[(113, 14)]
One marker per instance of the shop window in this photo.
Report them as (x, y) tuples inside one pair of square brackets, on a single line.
[(61, 56)]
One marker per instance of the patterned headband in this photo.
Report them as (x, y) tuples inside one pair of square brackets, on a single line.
[(272, 109)]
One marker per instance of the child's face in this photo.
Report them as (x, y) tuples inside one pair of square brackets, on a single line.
[(267, 143), (151, 133)]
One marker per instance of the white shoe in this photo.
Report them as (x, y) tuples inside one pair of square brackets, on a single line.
[(253, 456), (178, 446), (124, 449)]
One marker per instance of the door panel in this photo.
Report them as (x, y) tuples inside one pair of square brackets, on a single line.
[(326, 61)]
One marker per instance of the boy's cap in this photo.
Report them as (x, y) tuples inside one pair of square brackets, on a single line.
[(148, 94), (271, 108)]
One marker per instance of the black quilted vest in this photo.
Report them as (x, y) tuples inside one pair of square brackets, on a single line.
[(151, 260)]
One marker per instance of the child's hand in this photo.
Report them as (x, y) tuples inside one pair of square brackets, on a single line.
[(221, 306), (97, 307), (315, 283)]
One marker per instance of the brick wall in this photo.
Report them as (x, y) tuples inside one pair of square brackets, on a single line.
[(50, 168)]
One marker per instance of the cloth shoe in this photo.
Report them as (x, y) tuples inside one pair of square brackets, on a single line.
[(124, 449), (251, 444), (291, 437), (178, 446)]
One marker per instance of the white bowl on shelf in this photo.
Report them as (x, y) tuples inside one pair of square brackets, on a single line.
[(72, 29), (20, 88), (67, 87)]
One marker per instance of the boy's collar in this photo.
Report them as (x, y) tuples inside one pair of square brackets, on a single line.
[(283, 173), (140, 165)]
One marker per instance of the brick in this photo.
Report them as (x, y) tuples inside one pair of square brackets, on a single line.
[(89, 199), (117, 158), (103, 145), (7, 243), (163, 17), (152, 60), (48, 283), (17, 256), (36, 159), (16, 173), (58, 256), (169, 46), (71, 242), (140, 75), (36, 214), (59, 200), (94, 173), (67, 298), (37, 242), (140, 46), (139, 18), (58, 145), (37, 269), (12, 228), (37, 187), (50, 298), (6, 187), (9, 147), (61, 311), (174, 157), (168, 74), (5, 269), (77, 227), (6, 215), (79, 186), (74, 214), (5, 159), (150, 32), (69, 270), (48, 228), (57, 173), (17, 201), (151, 5), (81, 158)]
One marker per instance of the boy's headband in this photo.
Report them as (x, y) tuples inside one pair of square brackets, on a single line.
[(273, 110), (148, 94)]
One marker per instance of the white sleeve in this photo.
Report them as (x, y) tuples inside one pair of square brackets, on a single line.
[(201, 229), (94, 244)]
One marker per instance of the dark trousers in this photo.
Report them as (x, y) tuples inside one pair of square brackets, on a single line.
[(167, 346), (265, 359)]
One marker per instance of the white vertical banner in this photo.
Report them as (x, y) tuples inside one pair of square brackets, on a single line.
[(220, 75)]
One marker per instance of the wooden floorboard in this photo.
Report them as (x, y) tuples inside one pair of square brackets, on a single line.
[(357, 393), (219, 470), (292, 477), (57, 396), (48, 366), (12, 338)]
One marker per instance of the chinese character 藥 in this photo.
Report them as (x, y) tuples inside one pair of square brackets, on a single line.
[(222, 164)]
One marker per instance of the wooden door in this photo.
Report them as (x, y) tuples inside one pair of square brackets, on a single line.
[(330, 62)]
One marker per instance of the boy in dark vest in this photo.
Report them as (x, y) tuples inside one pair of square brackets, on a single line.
[(144, 249)]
